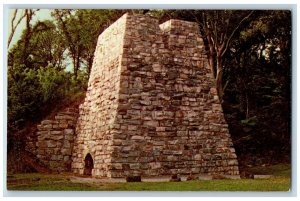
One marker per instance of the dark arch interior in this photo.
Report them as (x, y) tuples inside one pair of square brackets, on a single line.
[(88, 164)]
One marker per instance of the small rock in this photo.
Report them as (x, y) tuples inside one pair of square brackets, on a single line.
[(262, 176), (191, 177), (175, 178), (133, 179), (246, 175), (218, 176)]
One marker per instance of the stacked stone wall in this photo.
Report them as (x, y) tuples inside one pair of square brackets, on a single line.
[(55, 139), (95, 126), (152, 108)]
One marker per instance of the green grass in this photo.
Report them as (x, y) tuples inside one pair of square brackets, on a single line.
[(61, 182), (46, 182), (214, 185)]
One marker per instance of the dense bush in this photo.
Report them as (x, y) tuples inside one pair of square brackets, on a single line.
[(54, 84), (32, 94), (24, 95)]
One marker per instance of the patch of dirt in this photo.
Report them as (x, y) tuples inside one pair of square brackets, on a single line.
[(77, 179), (21, 180)]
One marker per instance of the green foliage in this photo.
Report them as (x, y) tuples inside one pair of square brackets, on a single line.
[(45, 47), (37, 81), (34, 93), (54, 84), (248, 125), (252, 121), (24, 94), (260, 88), (80, 29)]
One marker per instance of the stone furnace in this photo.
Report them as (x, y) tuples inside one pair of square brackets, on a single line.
[(151, 108)]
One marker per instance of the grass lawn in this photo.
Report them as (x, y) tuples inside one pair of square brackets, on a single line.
[(62, 182)]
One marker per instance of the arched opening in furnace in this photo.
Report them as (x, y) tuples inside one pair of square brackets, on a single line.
[(88, 165)]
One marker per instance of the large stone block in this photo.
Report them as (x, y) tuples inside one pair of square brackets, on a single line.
[(51, 144), (56, 137), (69, 131)]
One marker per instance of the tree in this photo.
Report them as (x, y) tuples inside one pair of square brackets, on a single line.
[(27, 14), (94, 23), (70, 32), (257, 99), (219, 27), (47, 46), (15, 23), (43, 45), (80, 29)]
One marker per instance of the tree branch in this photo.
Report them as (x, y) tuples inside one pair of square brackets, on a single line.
[(14, 27), (233, 32)]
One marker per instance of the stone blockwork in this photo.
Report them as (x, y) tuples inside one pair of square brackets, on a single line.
[(96, 123), (151, 107), (55, 139)]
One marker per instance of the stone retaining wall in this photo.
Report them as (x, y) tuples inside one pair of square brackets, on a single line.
[(55, 139)]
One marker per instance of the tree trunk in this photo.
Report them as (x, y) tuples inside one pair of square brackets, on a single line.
[(14, 26), (74, 66), (27, 36), (219, 75), (212, 60), (89, 66), (77, 65), (219, 84)]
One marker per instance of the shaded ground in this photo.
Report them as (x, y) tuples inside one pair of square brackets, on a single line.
[(68, 182)]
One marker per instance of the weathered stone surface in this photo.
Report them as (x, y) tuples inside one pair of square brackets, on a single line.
[(69, 131), (51, 144), (150, 106), (45, 122), (56, 132), (56, 137), (55, 144)]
